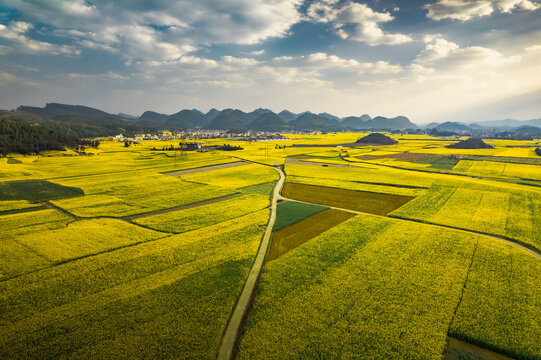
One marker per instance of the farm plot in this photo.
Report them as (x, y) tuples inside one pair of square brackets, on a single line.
[(169, 298), (369, 288), (290, 212), (261, 189), (364, 201), (12, 206), (501, 306), (206, 168), (16, 257), (507, 159), (72, 240), (520, 171), (287, 238), (360, 185), (432, 160), (36, 191), (121, 195), (384, 176), (198, 217), (235, 177), (514, 214)]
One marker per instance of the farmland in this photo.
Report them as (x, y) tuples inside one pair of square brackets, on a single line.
[(377, 252)]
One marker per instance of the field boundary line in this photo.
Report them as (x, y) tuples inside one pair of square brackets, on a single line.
[(510, 241), (181, 207), (60, 210), (129, 218), (23, 210), (235, 323), (466, 278), (67, 261), (508, 181), (204, 168)]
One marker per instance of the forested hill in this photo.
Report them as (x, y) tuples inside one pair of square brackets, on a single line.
[(80, 124), (28, 139)]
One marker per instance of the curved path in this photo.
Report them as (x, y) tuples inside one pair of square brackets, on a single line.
[(234, 326)]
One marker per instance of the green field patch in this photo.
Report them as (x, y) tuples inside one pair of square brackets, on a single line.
[(14, 161), (363, 201), (440, 161), (290, 212), (202, 216), (288, 238), (36, 191)]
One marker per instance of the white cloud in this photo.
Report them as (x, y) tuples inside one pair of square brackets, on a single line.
[(533, 48), (239, 61), (257, 52), (15, 33), (161, 30), (108, 75), (446, 54), (507, 6), (355, 21), (284, 58), (458, 9), (467, 9)]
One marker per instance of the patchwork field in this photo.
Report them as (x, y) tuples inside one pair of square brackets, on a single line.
[(346, 293), (142, 253), (288, 238), (516, 215), (363, 201)]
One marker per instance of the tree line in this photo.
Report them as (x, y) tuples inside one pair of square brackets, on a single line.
[(32, 139)]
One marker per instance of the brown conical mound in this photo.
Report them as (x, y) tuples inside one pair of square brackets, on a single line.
[(377, 139), (471, 143)]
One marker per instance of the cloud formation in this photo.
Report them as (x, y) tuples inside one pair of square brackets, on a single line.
[(15, 33), (162, 30), (441, 53), (467, 9), (355, 21)]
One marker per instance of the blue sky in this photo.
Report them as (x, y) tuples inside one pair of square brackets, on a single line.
[(438, 60)]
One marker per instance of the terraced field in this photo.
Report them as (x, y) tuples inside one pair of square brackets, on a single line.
[(135, 253)]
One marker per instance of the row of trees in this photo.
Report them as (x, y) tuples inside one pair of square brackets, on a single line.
[(31, 139)]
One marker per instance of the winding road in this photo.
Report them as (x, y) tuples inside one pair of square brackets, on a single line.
[(234, 326), (240, 311)]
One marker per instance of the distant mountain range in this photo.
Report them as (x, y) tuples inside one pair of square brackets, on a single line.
[(85, 121), (507, 124), (80, 118)]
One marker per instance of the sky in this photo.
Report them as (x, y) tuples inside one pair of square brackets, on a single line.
[(438, 60)]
